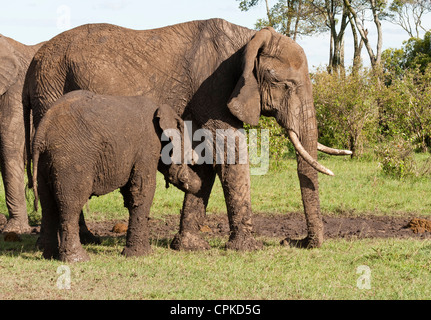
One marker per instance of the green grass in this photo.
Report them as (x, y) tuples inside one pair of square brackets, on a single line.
[(400, 268), (358, 188)]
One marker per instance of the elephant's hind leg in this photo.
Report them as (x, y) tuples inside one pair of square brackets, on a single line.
[(193, 213), (48, 237), (71, 249)]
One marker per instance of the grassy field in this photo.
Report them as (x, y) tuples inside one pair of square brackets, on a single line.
[(394, 268), (358, 188)]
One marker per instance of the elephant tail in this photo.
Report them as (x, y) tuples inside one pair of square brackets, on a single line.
[(39, 146), (36, 153), (28, 125)]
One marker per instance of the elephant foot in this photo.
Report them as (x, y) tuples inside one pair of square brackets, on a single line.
[(187, 241), (305, 243), (44, 244), (17, 225), (40, 243), (137, 252), (243, 242), (87, 237), (78, 255), (50, 253)]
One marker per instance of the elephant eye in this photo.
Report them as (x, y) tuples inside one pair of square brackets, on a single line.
[(269, 75), (284, 84)]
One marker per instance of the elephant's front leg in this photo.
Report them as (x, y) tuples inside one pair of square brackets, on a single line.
[(310, 199), (235, 179), (138, 231), (193, 213), (138, 196), (85, 235)]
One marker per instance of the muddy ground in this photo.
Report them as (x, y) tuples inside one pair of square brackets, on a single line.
[(279, 226), (290, 225)]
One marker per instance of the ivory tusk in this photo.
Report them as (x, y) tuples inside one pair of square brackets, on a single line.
[(332, 151), (306, 156)]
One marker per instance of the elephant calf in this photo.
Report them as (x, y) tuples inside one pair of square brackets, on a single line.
[(90, 144)]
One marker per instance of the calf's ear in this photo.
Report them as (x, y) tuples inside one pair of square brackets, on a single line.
[(9, 65), (244, 102), (168, 119)]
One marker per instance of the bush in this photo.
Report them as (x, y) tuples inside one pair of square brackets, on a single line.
[(346, 107), (407, 107), (280, 146), (397, 158)]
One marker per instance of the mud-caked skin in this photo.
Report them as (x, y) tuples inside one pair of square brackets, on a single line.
[(217, 75), (90, 145), (15, 58)]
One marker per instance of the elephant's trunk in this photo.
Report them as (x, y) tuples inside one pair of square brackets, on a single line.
[(303, 135)]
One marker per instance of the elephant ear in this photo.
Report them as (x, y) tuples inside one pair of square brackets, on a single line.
[(9, 65), (244, 102)]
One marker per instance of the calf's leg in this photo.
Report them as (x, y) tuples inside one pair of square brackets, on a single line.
[(138, 196)]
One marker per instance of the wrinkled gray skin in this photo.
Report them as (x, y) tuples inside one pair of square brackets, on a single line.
[(90, 144), (14, 60), (214, 73)]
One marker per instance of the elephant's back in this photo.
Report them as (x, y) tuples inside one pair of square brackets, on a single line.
[(98, 112), (95, 131)]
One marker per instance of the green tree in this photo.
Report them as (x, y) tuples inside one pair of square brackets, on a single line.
[(292, 18), (418, 52), (415, 52)]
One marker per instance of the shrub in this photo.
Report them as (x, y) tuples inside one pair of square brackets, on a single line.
[(346, 107), (279, 144), (407, 107), (397, 158)]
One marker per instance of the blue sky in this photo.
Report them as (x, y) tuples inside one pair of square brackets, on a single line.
[(33, 21)]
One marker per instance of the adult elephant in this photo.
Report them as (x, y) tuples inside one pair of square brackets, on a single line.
[(15, 58), (212, 72)]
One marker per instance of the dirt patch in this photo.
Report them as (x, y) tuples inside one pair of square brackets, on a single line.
[(419, 225), (280, 226)]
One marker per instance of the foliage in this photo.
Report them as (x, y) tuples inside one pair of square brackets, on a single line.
[(346, 107), (416, 52), (396, 158), (407, 107), (289, 17), (279, 144)]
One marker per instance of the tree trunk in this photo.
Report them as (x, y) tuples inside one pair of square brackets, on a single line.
[(375, 58), (336, 63), (357, 43)]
